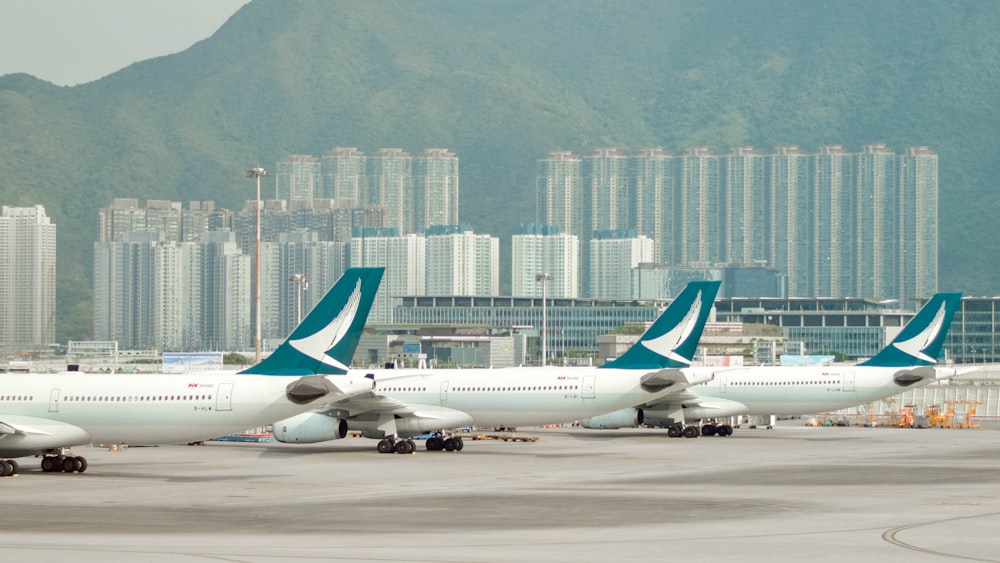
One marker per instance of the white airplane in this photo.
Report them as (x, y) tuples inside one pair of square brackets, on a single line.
[(45, 414), (908, 361), (407, 403)]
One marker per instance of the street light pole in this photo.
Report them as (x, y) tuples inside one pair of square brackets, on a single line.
[(544, 278), (257, 173)]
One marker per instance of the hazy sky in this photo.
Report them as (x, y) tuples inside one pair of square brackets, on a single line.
[(69, 42)]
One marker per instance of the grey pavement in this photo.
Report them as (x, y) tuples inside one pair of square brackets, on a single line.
[(794, 493)]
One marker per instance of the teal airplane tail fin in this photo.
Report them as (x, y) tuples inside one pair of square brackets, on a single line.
[(673, 339), (324, 342), (920, 341)]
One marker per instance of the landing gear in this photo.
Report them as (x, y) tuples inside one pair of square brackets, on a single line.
[(64, 463), (391, 444), (439, 442), (9, 467), (713, 429), (710, 428), (677, 430)]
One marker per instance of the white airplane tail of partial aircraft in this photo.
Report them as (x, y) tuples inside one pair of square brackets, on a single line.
[(407, 403), (44, 414), (909, 360)]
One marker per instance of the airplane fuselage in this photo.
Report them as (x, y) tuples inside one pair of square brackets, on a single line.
[(521, 396), (795, 390), (76, 408)]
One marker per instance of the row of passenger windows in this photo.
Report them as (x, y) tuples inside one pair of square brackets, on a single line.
[(17, 398), (133, 398), (528, 388), (484, 389), (759, 383)]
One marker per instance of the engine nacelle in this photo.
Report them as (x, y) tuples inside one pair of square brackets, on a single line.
[(625, 418), (309, 428), (38, 435), (426, 418)]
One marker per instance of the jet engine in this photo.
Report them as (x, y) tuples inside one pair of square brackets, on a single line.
[(625, 418), (25, 435), (309, 428)]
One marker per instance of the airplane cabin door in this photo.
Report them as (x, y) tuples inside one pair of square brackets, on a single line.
[(589, 382), (224, 400), (54, 400), (444, 391), (723, 382), (848, 381)]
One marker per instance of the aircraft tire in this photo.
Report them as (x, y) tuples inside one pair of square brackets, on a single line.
[(459, 444), (434, 444), (449, 445), (15, 468), (674, 432), (71, 465), (5, 469), (49, 464), (690, 431), (81, 464), (404, 447), (385, 447), (709, 430), (725, 430)]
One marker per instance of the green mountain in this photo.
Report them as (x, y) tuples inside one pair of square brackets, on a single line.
[(500, 84)]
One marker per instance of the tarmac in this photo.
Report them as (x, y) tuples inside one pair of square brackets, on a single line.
[(794, 493)]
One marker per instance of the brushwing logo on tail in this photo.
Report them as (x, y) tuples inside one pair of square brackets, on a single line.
[(915, 346), (666, 344), (315, 345)]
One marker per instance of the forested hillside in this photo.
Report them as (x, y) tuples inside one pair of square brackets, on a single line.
[(501, 83)]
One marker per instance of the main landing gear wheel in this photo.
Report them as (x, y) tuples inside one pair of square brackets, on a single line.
[(64, 464), (6, 469), (439, 443), (709, 429), (674, 431), (449, 445), (405, 447), (385, 446), (49, 464), (724, 430), (690, 431)]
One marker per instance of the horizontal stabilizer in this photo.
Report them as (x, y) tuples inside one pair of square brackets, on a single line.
[(945, 373), (672, 377), (311, 387), (307, 389), (907, 377)]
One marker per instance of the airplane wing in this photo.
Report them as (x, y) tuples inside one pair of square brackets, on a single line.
[(368, 403), (686, 404), (374, 414)]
